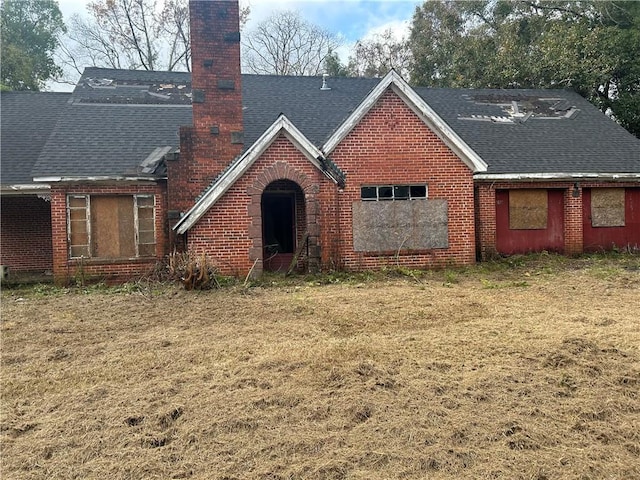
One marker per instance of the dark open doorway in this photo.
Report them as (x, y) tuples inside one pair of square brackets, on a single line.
[(278, 219), (279, 225)]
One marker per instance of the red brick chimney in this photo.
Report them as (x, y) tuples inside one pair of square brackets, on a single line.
[(216, 137)]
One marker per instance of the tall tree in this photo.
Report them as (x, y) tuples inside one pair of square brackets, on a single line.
[(132, 34), (377, 55), (590, 46), (286, 44), (135, 34), (30, 31), (334, 67)]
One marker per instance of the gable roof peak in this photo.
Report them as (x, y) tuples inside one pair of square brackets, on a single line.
[(282, 125), (420, 107)]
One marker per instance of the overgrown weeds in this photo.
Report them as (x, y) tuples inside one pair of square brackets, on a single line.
[(353, 376)]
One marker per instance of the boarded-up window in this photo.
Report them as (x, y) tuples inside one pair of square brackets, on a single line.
[(395, 226), (607, 207), (114, 226), (528, 209)]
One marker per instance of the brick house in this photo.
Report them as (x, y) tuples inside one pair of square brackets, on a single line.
[(351, 173)]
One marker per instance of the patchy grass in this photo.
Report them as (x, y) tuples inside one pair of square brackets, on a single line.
[(398, 375)]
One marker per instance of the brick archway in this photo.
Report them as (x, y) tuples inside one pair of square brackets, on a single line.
[(310, 190)]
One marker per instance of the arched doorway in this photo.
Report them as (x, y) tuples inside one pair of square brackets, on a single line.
[(283, 223)]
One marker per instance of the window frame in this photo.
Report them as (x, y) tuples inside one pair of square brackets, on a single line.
[(136, 219), (393, 188)]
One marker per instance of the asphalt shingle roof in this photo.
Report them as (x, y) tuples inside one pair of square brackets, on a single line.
[(109, 140), (586, 142), (27, 120), (115, 119), (316, 113), (118, 117)]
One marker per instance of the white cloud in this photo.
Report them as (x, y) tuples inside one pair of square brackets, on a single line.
[(351, 20)]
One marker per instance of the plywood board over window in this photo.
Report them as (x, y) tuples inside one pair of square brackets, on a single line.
[(395, 226), (607, 207), (111, 226), (528, 209)]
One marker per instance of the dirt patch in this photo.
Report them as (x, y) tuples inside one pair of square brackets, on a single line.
[(525, 371)]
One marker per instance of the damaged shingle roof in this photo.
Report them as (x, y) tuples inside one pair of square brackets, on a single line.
[(117, 121), (555, 138), (119, 117)]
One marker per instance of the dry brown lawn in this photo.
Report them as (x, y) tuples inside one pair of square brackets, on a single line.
[(528, 371)]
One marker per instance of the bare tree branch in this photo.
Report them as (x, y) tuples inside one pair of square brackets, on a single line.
[(286, 44)]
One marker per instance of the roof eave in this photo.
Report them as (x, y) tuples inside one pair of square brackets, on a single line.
[(25, 189), (570, 176), (99, 178)]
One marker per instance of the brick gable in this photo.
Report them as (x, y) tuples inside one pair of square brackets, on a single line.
[(230, 233), (391, 145)]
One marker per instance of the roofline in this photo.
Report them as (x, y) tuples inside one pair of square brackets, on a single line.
[(81, 103), (24, 189), (420, 108), (556, 176), (103, 178), (228, 177)]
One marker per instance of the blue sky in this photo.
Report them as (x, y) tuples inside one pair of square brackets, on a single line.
[(352, 19)]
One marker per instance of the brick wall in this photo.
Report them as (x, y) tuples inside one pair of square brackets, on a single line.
[(391, 145), (377, 151), (230, 233), (25, 242), (573, 210), (66, 269)]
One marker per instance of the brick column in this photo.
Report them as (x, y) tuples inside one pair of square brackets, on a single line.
[(486, 220), (216, 137), (573, 238), (59, 235)]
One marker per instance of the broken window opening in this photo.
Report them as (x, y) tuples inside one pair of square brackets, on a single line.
[(393, 192)]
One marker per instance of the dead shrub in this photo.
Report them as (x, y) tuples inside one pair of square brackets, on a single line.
[(195, 272)]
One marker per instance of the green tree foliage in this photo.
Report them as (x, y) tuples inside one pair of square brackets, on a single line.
[(377, 55), (373, 56), (334, 67), (30, 32), (591, 47)]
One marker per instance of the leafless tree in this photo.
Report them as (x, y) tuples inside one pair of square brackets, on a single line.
[(286, 44), (131, 34)]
